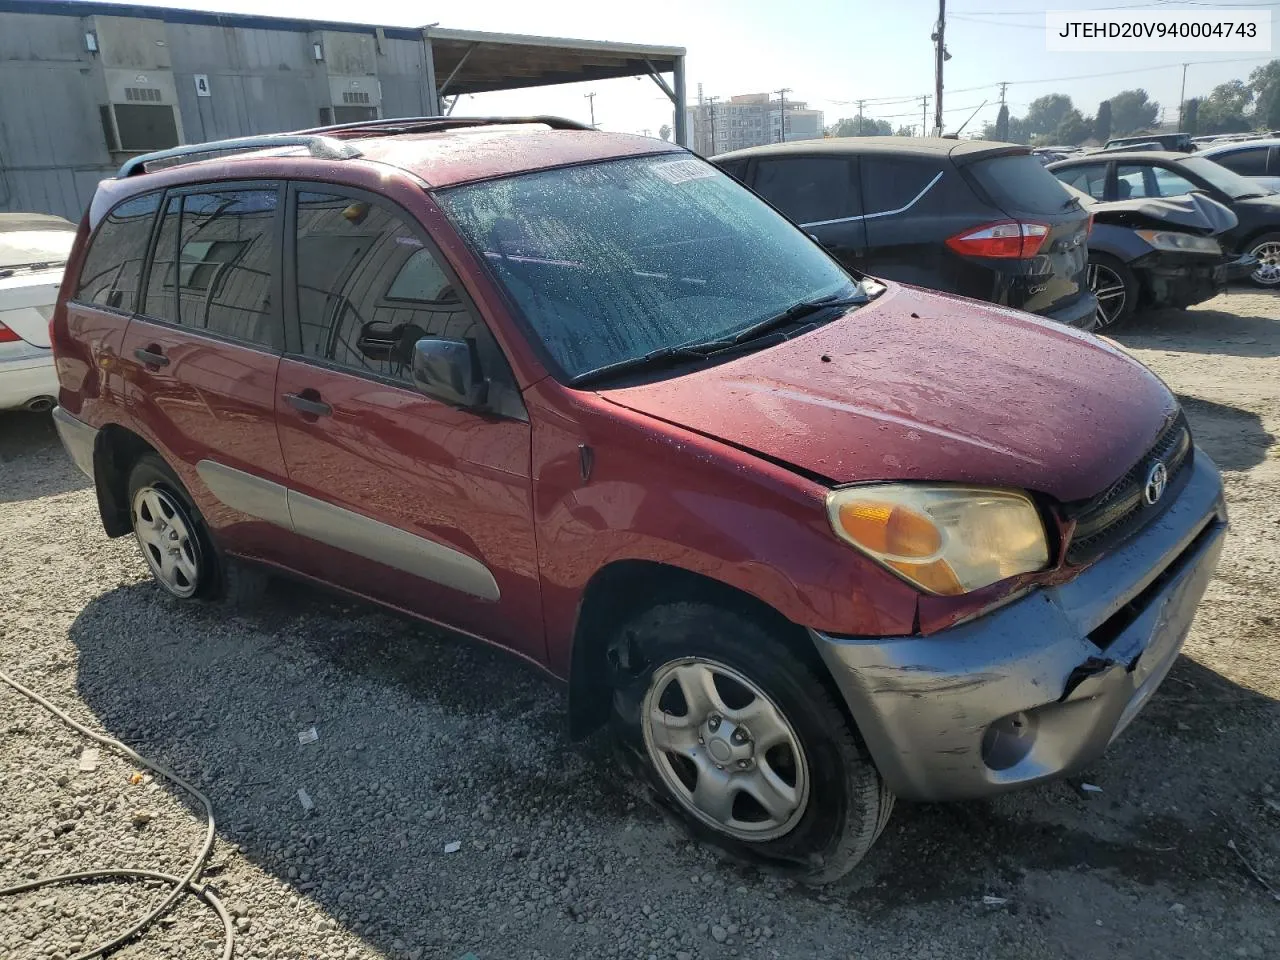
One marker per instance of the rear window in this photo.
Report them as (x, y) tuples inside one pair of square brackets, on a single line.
[(113, 266), (1018, 183)]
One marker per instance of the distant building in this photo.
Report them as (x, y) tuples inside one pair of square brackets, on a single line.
[(749, 120)]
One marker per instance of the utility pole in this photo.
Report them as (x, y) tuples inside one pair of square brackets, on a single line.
[(860, 103), (1182, 97), (924, 115), (1003, 87), (591, 98), (782, 113), (940, 57), (711, 112)]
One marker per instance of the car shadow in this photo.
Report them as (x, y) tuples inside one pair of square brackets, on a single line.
[(1235, 438), (33, 462), (1255, 333), (220, 697)]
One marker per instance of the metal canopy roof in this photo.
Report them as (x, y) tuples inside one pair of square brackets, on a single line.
[(474, 61)]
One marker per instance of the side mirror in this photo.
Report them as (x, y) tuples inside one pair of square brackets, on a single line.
[(449, 371)]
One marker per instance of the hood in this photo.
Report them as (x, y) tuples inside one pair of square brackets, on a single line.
[(925, 386), (1193, 212)]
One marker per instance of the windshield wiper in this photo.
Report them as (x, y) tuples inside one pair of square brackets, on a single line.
[(795, 313), (662, 357)]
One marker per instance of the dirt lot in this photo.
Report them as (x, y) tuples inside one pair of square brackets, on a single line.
[(424, 740)]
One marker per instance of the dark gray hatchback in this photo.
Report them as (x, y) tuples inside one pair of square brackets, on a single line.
[(980, 219)]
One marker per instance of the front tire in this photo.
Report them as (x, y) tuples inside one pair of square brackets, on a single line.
[(733, 732), (1116, 288), (1267, 249)]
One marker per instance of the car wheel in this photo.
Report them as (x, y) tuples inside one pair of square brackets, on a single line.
[(1116, 288), (737, 735), (1267, 249), (171, 533)]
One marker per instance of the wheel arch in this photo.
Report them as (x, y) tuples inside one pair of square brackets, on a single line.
[(623, 589), (115, 450)]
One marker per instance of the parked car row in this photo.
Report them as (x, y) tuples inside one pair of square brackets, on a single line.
[(806, 541)]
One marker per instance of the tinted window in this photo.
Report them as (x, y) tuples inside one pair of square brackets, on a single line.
[(113, 266), (215, 264), (890, 183), (735, 168), (1090, 178), (808, 189), (609, 261), (1247, 163), (1019, 184), (368, 289)]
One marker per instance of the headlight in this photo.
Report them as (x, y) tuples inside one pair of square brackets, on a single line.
[(1180, 242), (943, 539)]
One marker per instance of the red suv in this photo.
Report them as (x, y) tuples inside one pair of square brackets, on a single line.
[(807, 541)]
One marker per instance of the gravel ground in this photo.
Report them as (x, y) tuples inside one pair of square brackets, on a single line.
[(426, 741)]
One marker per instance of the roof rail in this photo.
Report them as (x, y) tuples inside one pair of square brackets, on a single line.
[(324, 148), (389, 126)]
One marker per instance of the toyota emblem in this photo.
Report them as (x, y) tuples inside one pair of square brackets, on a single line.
[(1157, 480)]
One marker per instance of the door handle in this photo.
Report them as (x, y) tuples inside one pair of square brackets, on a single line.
[(151, 356), (316, 408)]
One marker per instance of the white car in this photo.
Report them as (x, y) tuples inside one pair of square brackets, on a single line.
[(1259, 160), (33, 251)]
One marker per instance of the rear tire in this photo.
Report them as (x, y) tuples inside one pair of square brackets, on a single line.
[(1267, 249), (175, 540), (778, 777), (1116, 288)]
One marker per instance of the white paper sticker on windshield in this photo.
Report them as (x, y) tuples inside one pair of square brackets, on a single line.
[(680, 171)]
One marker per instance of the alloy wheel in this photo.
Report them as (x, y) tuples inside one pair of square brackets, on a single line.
[(1268, 270), (167, 539), (1109, 289), (724, 749)]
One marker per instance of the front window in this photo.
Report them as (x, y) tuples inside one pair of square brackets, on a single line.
[(1232, 184), (611, 261)]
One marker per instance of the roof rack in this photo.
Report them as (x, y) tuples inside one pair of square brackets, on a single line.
[(324, 148), (389, 126)]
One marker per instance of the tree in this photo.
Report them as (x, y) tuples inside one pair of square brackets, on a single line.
[(664, 131), (1073, 130), (1223, 110), (1102, 122), (1017, 132), (1045, 113), (1002, 123), (1191, 116), (866, 127), (1264, 82), (1133, 110), (905, 132)]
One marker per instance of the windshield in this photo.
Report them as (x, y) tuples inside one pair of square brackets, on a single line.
[(1232, 184), (24, 248), (612, 261)]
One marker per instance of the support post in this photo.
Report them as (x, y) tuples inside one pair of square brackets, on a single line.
[(429, 62), (682, 115)]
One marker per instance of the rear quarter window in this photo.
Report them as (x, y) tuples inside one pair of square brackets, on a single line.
[(1018, 184), (113, 266)]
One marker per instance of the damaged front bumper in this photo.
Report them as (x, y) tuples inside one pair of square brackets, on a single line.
[(1039, 688)]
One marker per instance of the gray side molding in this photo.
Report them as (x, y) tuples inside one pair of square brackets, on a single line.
[(348, 530)]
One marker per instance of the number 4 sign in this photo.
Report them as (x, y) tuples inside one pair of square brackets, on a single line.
[(202, 85)]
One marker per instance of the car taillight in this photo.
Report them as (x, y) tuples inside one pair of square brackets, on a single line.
[(7, 335), (1007, 239)]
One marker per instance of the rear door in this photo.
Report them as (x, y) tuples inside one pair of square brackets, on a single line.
[(199, 360), (1019, 186), (404, 498), (906, 220), (821, 194)]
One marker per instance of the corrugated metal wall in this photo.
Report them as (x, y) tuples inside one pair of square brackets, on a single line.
[(53, 150)]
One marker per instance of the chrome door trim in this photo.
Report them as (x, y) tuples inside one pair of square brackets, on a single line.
[(347, 530), (883, 213)]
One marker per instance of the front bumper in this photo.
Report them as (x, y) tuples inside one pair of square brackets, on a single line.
[(1081, 313), (1038, 688)]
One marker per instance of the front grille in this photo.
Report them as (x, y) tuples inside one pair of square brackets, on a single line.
[(1120, 511)]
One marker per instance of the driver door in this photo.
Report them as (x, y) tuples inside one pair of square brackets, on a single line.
[(411, 501)]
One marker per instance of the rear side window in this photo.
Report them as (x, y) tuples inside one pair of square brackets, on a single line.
[(1247, 163), (1019, 183), (809, 190), (892, 184), (215, 265), (368, 289), (1091, 178), (113, 266)]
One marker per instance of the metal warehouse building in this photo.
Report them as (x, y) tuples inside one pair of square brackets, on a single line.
[(84, 86)]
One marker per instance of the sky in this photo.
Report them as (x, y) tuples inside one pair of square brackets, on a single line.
[(830, 53)]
